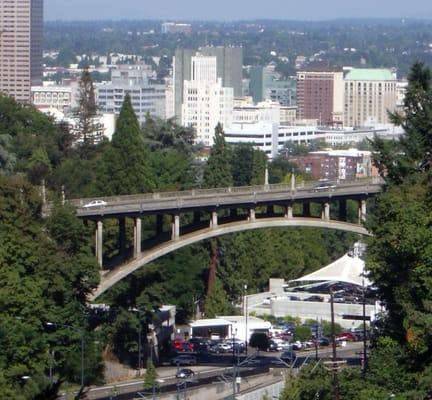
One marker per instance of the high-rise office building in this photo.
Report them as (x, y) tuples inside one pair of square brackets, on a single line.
[(264, 84), (205, 101), (229, 68), (21, 41), (148, 97), (369, 95), (320, 96)]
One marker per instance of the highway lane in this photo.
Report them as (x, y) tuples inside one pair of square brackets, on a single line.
[(217, 367)]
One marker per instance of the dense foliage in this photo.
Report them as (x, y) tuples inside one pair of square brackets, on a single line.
[(47, 271)]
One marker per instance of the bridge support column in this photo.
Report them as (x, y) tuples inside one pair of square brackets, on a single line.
[(362, 211), (233, 213), (270, 210), (342, 210), (99, 242), (252, 215), (214, 220), (122, 237), (175, 227), (289, 212), (159, 224), (137, 237), (325, 215), (306, 209)]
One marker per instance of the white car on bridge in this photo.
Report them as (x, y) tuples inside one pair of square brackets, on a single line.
[(95, 203)]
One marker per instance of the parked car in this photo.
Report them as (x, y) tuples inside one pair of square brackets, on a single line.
[(315, 298), (323, 341), (95, 203), (223, 348), (238, 347), (296, 345), (181, 345), (346, 336), (288, 356), (284, 345), (294, 298), (184, 360), (199, 344), (273, 346), (184, 373)]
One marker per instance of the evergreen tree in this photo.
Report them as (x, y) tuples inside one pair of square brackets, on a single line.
[(218, 172), (259, 166), (86, 110), (126, 166), (216, 301), (400, 252), (39, 166), (242, 164), (413, 152)]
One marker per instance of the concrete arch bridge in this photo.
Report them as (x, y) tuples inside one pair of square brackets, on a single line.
[(197, 215)]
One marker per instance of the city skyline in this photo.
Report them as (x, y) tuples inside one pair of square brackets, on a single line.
[(227, 10)]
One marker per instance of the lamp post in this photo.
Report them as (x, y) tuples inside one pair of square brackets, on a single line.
[(364, 330), (333, 334), (81, 332), (140, 312), (245, 300)]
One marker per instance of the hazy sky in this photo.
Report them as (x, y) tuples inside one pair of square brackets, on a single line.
[(234, 9)]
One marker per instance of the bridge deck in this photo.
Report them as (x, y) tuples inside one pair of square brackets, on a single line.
[(211, 199)]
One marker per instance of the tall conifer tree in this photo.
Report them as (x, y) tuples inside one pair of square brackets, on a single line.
[(126, 166), (217, 172)]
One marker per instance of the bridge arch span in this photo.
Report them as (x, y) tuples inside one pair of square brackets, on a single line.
[(116, 275)]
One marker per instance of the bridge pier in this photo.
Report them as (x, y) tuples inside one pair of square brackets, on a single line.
[(289, 212), (214, 220), (252, 215), (325, 214), (137, 236), (175, 227), (362, 211), (99, 243)]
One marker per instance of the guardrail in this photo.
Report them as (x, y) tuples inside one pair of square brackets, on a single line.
[(221, 192)]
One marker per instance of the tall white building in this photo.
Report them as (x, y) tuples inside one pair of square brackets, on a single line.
[(205, 101), (136, 80), (369, 95)]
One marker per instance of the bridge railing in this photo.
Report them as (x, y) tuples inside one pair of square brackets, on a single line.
[(220, 192)]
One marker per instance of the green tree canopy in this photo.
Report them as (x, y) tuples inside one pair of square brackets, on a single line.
[(218, 170), (44, 279), (126, 166)]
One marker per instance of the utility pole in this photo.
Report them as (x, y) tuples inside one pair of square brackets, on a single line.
[(364, 332), (335, 371)]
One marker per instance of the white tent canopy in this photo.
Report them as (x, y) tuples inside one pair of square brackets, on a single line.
[(346, 269)]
